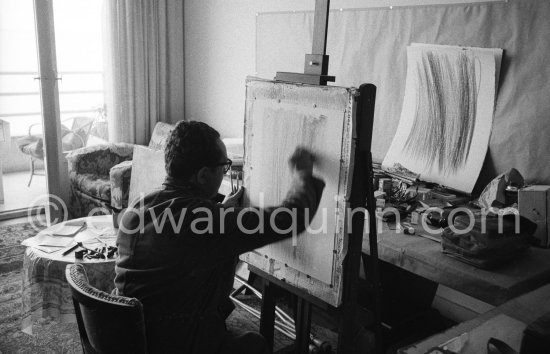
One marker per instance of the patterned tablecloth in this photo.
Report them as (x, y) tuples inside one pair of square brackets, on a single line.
[(46, 293)]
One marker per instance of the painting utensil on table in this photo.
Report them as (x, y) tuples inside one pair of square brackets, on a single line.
[(72, 248)]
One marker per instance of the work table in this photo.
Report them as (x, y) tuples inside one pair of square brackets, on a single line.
[(425, 258)]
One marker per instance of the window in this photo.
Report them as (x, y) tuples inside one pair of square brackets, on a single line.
[(78, 35)]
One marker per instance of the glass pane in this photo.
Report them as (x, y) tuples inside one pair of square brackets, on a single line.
[(19, 106), (79, 51), (17, 37), (13, 81)]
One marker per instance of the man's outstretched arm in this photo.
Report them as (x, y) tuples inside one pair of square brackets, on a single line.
[(245, 229)]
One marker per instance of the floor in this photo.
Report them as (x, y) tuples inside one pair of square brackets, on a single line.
[(16, 193), (13, 221)]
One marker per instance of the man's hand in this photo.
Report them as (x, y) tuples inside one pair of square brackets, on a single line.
[(233, 198), (301, 161)]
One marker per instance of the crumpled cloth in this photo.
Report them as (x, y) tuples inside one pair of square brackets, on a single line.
[(493, 194)]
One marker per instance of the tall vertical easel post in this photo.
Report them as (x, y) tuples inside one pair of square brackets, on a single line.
[(361, 193), (316, 73), (316, 63)]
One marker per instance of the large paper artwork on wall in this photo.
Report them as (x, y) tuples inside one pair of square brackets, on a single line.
[(447, 114)]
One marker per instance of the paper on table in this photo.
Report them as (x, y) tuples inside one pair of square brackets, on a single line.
[(47, 240), (100, 242), (69, 229), (106, 232), (48, 249)]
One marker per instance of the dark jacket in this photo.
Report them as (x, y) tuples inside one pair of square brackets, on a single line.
[(179, 260)]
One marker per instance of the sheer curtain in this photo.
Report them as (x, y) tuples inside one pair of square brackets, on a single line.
[(136, 67)]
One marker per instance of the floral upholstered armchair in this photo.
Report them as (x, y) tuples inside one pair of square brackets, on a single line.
[(100, 175)]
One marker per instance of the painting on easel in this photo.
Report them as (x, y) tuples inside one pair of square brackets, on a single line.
[(447, 114), (279, 117)]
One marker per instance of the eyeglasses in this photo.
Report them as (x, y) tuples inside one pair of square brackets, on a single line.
[(226, 165)]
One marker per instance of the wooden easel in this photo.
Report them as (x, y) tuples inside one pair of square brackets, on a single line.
[(316, 73), (316, 64)]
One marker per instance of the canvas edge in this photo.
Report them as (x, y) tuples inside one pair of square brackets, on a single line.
[(329, 293)]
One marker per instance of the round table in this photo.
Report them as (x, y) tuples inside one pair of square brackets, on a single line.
[(46, 293)]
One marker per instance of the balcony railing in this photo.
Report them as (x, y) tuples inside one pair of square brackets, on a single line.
[(81, 93)]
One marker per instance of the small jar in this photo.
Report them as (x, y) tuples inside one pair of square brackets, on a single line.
[(511, 194)]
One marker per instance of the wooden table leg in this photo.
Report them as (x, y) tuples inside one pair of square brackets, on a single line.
[(267, 318)]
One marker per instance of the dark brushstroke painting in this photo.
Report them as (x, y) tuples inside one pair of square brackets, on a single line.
[(445, 115)]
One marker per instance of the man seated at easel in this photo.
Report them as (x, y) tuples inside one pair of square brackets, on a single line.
[(178, 249)]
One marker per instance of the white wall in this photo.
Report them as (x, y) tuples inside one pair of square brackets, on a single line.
[(219, 40), (220, 52)]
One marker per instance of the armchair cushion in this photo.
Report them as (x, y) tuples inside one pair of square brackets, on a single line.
[(102, 173), (89, 169), (93, 185), (160, 135), (120, 176), (99, 159)]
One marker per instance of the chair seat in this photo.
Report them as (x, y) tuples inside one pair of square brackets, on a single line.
[(31, 145), (34, 146), (93, 185)]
